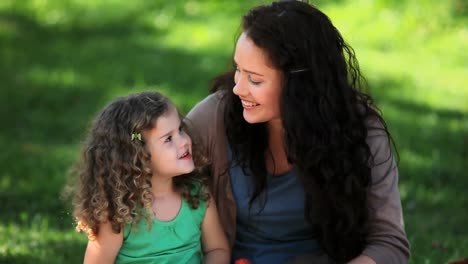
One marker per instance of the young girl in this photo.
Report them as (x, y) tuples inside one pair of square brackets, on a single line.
[(138, 196)]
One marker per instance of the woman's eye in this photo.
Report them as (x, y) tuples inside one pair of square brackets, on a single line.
[(254, 82), (168, 139)]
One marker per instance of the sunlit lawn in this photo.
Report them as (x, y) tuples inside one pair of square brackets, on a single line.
[(61, 61)]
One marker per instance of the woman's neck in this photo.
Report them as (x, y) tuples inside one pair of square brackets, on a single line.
[(276, 160)]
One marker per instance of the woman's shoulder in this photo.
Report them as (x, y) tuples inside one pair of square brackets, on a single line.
[(206, 119), (209, 105), (380, 146), (374, 123)]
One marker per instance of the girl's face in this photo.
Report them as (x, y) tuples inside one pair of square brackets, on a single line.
[(258, 85), (170, 147)]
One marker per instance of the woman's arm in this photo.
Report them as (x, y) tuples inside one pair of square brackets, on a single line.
[(215, 245), (387, 241), (104, 248)]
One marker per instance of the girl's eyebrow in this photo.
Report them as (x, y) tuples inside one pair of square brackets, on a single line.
[(172, 131), (167, 134)]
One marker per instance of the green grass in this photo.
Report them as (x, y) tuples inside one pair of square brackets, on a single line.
[(61, 61)]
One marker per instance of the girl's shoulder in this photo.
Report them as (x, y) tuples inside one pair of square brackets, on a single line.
[(199, 187), (199, 190)]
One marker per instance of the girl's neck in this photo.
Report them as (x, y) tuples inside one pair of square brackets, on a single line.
[(161, 186), (166, 201)]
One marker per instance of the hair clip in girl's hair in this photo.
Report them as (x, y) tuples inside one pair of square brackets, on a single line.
[(136, 136)]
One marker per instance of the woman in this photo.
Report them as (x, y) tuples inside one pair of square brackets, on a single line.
[(302, 166)]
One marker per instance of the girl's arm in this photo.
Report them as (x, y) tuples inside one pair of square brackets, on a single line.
[(104, 248), (215, 245)]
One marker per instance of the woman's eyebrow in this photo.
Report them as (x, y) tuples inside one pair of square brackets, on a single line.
[(248, 71)]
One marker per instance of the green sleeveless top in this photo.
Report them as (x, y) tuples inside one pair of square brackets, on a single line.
[(174, 241)]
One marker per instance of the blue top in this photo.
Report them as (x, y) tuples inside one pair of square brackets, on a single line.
[(279, 231)]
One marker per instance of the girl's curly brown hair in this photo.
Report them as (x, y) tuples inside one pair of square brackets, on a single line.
[(113, 179)]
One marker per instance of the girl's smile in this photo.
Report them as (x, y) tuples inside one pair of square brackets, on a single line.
[(186, 156)]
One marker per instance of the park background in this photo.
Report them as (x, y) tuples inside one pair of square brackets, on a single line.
[(63, 60)]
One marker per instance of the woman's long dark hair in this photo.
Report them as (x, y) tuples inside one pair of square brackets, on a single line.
[(325, 117)]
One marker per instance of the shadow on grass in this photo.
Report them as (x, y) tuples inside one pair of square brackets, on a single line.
[(438, 137), (433, 147), (19, 259), (54, 80), (62, 252), (422, 110)]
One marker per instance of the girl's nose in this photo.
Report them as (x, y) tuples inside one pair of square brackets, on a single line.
[(185, 140)]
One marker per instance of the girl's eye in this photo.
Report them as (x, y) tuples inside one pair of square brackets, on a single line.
[(237, 69), (168, 139)]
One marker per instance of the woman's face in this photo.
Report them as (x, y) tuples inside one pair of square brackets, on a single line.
[(258, 85)]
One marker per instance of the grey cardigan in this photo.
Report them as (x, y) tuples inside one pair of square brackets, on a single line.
[(386, 243)]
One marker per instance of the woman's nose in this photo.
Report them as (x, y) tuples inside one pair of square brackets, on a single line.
[(239, 88)]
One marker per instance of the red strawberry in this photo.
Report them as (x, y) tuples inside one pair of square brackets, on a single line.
[(242, 261)]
